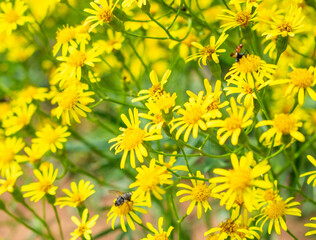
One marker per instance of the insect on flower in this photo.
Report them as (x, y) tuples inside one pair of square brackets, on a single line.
[(121, 197), (237, 53)]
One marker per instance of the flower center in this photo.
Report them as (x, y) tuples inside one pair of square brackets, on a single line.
[(82, 229), (285, 27), (158, 118), (247, 89), (132, 137), (249, 63), (239, 199), (243, 18), (161, 236), (284, 123), (65, 35), (213, 105), (156, 90), (275, 209), (232, 123), (239, 179), (77, 59), (229, 227), (7, 156), (193, 114), (208, 51), (269, 195), (77, 198), (68, 99), (105, 15), (124, 209), (201, 192), (11, 16), (45, 186), (22, 120), (301, 77)]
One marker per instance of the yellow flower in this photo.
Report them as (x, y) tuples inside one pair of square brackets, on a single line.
[(77, 59), (276, 212), (160, 234), (34, 154), (115, 41), (154, 115), (157, 87), (102, 11), (251, 68), (312, 173), (132, 138), (287, 25), (169, 164), (72, 102), (20, 117), (46, 178), (126, 211), (240, 180), (198, 194), (193, 117), (282, 125), (84, 227), (65, 37), (9, 149), (78, 195), (30, 93), (149, 180), (232, 125), (312, 225), (310, 121), (51, 138), (11, 175), (208, 52), (238, 17), (301, 81), (12, 16), (127, 3)]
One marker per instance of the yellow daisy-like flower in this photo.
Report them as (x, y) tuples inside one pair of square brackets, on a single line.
[(198, 194), (193, 117), (84, 226), (160, 234), (19, 118), (171, 162), (128, 3), (166, 102), (72, 102), (238, 17), (11, 175), (276, 212), (232, 125), (51, 138), (208, 52), (282, 125), (126, 210), (30, 93), (154, 115), (157, 87), (34, 154), (46, 178), (240, 180), (115, 41), (312, 225), (132, 138), (102, 11), (264, 196), (65, 37), (9, 149), (149, 180), (310, 121), (251, 68), (287, 25), (12, 16), (78, 195), (72, 65), (312, 173), (301, 81)]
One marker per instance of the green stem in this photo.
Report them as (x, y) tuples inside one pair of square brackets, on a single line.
[(185, 159), (263, 108), (298, 191), (291, 234), (179, 226), (58, 221), (138, 56)]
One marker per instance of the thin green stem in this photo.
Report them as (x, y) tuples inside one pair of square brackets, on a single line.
[(185, 159), (58, 221), (263, 108), (138, 56), (179, 226), (291, 234), (298, 191)]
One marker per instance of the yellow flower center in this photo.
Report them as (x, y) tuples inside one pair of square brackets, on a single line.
[(105, 15), (239, 179), (65, 35), (302, 78), (201, 192), (158, 118), (45, 186), (22, 120), (208, 51), (243, 18), (51, 137), (233, 122), (132, 138), (239, 199), (82, 229), (229, 227), (275, 209), (269, 195), (77, 59), (284, 123), (124, 209), (193, 114), (213, 105), (161, 236), (247, 89), (7, 156), (156, 90), (77, 198), (249, 63), (11, 16), (285, 27), (68, 99)]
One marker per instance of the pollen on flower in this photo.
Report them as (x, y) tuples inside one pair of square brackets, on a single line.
[(239, 179), (229, 227), (11, 16), (45, 186), (68, 98), (269, 195), (301, 77), (106, 15), (201, 192), (7, 157), (156, 90), (285, 123), (77, 59), (285, 27), (249, 63), (193, 115), (233, 123), (124, 209), (243, 18), (132, 138), (208, 51), (66, 34), (275, 209)]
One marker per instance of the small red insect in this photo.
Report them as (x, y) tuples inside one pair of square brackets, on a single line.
[(237, 53)]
